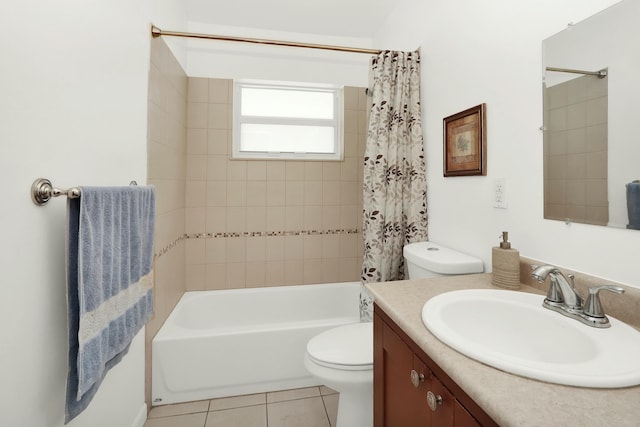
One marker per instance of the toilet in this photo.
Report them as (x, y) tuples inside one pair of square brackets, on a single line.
[(428, 259), (342, 357)]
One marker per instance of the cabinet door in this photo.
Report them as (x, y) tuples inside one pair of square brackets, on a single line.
[(422, 413), (441, 403), (462, 417), (397, 401)]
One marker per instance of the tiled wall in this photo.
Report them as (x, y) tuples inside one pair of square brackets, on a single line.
[(268, 223), (166, 145), (576, 151), (224, 223)]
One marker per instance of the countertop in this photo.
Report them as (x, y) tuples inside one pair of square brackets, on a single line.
[(509, 399)]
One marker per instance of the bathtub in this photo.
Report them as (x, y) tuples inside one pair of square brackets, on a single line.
[(243, 341)]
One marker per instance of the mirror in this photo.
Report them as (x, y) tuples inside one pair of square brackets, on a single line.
[(591, 93)]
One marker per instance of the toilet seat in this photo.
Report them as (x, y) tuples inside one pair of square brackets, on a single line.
[(348, 347)]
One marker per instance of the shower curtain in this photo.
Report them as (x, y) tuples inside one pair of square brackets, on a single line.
[(395, 188)]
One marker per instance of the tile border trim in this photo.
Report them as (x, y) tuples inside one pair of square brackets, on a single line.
[(334, 231), (271, 233), (170, 246)]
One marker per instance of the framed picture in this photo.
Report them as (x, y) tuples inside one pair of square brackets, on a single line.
[(465, 142)]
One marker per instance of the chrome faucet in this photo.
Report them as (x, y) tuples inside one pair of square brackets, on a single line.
[(563, 298), (560, 293)]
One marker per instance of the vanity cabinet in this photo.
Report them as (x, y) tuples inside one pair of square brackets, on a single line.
[(410, 390)]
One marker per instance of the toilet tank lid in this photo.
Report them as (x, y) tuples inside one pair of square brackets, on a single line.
[(440, 259)]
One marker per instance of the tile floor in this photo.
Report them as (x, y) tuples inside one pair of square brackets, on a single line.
[(305, 407)]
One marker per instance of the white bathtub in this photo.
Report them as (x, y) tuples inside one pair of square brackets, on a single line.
[(242, 341)]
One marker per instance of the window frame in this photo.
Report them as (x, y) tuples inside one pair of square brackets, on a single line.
[(337, 122)]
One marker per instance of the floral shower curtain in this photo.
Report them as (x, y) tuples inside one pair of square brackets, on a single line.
[(395, 188)]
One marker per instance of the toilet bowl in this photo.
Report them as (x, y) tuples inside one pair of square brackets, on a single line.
[(342, 358)]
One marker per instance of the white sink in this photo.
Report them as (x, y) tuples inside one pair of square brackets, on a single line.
[(511, 331)]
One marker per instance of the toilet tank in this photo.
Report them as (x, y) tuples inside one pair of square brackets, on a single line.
[(428, 259)]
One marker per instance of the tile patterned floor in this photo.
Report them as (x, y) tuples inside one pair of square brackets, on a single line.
[(305, 407)]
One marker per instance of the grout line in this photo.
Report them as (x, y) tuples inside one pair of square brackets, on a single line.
[(326, 411), (236, 407), (179, 414), (206, 417), (266, 411), (293, 400)]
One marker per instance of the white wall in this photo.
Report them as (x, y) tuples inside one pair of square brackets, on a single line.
[(234, 60), (490, 52), (74, 109), (172, 15)]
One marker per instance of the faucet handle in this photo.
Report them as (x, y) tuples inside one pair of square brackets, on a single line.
[(593, 306), (554, 293)]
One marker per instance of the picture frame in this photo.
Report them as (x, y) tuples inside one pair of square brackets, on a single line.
[(465, 142)]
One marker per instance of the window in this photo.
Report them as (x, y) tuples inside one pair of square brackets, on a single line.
[(287, 121)]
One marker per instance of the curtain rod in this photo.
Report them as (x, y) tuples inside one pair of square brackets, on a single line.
[(157, 32), (600, 73)]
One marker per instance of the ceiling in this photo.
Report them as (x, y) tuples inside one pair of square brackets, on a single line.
[(342, 18)]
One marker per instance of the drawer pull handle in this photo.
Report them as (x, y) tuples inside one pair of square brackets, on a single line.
[(416, 378), (433, 400)]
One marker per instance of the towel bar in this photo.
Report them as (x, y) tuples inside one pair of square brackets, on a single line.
[(42, 191)]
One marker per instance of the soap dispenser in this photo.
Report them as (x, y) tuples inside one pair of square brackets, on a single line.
[(505, 264)]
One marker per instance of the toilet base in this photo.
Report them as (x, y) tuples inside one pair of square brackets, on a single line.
[(355, 403), (355, 409)]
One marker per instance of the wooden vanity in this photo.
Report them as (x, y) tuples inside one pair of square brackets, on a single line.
[(412, 367), (410, 389)]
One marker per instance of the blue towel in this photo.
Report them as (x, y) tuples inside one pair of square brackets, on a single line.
[(109, 282), (633, 204)]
